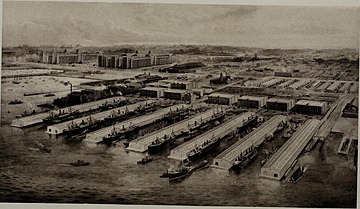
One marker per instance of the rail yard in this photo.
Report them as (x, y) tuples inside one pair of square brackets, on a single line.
[(185, 124)]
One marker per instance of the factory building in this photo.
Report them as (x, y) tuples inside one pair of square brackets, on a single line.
[(283, 74), (310, 107), (154, 92), (280, 104), (67, 58), (286, 84), (280, 163), (223, 99), (178, 94), (255, 138), (252, 101), (131, 61)]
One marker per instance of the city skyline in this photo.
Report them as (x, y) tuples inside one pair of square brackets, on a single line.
[(106, 24)]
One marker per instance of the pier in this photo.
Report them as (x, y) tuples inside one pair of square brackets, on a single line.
[(59, 128), (97, 136), (38, 118), (285, 157), (226, 159), (142, 144), (181, 152)]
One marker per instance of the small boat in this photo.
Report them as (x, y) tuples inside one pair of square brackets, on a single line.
[(145, 160), (297, 175), (80, 163), (288, 134), (49, 95), (15, 101), (186, 171)]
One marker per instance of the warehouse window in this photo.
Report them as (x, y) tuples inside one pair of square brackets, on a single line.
[(216, 163), (275, 175), (50, 130)]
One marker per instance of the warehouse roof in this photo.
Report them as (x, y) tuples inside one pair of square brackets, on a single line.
[(253, 98), (311, 103), (221, 95), (180, 91), (279, 100), (149, 88)]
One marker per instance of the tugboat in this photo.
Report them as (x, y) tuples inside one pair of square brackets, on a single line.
[(205, 147), (80, 163), (145, 160), (49, 95), (186, 171), (15, 101), (297, 175)]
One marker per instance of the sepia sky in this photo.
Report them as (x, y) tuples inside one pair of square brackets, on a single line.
[(99, 24)]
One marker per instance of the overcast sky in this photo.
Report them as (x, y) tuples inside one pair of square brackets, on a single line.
[(65, 23)]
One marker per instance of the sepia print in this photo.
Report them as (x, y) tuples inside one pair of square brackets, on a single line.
[(179, 104)]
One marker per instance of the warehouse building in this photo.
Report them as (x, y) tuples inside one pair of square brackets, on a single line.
[(283, 74), (286, 84), (354, 88), (345, 88), (252, 102), (154, 92), (310, 107), (301, 83), (280, 163), (280, 104), (178, 94), (271, 82), (333, 88), (324, 86), (255, 138), (224, 99)]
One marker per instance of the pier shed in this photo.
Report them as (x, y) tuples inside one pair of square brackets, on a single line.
[(181, 152), (227, 158), (61, 127), (284, 158), (142, 144), (97, 136)]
